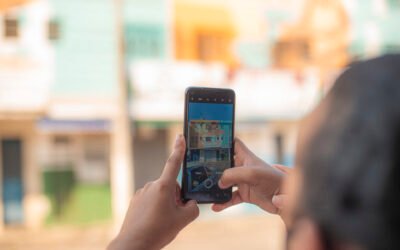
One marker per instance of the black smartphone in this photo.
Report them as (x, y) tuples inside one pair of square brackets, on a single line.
[(209, 133)]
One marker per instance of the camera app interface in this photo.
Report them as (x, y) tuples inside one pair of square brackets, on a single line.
[(208, 146)]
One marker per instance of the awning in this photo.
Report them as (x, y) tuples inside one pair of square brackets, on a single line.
[(74, 126)]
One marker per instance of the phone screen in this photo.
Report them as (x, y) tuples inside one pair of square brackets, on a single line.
[(209, 140)]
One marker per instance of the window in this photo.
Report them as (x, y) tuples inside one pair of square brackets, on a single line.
[(391, 48), (212, 47), (53, 30), (62, 151), (291, 53), (59, 140), (144, 41), (95, 167), (394, 3), (11, 27), (93, 154)]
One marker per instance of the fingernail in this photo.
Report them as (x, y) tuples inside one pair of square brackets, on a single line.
[(191, 202), (220, 184), (178, 138)]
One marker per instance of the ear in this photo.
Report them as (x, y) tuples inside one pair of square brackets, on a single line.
[(305, 237)]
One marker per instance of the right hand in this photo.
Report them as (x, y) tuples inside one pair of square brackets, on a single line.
[(156, 214), (257, 181)]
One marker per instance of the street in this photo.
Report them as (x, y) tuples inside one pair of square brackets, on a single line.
[(244, 232)]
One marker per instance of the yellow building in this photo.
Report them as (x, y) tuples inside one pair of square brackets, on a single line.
[(319, 38), (203, 32), (6, 4)]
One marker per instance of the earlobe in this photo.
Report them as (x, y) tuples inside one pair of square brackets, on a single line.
[(306, 236)]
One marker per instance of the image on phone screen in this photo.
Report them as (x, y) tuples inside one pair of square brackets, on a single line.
[(209, 149)]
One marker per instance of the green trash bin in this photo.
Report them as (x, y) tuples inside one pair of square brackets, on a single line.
[(58, 185)]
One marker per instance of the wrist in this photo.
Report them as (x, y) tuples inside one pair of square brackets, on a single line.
[(119, 243)]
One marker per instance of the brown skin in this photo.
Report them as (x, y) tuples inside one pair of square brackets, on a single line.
[(156, 214), (256, 180)]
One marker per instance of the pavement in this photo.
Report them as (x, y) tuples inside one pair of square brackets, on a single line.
[(231, 232)]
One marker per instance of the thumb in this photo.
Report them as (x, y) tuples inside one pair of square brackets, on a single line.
[(279, 201), (190, 211)]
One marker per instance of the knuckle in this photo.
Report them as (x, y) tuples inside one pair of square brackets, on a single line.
[(162, 185), (227, 173), (196, 212), (148, 185), (252, 174), (226, 177), (138, 191), (171, 160)]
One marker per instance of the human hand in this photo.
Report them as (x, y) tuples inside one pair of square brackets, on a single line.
[(279, 200), (256, 180), (283, 201), (156, 213)]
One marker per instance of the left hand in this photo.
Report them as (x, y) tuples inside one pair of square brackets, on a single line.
[(257, 181), (156, 213)]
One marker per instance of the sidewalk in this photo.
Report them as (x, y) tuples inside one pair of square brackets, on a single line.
[(245, 232)]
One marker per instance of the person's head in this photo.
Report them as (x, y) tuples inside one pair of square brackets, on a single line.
[(345, 191)]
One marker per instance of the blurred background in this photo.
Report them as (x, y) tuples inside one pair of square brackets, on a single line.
[(92, 93)]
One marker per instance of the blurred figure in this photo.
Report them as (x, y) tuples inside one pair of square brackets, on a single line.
[(343, 192)]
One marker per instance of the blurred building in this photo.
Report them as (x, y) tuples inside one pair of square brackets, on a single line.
[(203, 39), (57, 100), (210, 52), (26, 73), (373, 27), (59, 83), (58, 95), (318, 39)]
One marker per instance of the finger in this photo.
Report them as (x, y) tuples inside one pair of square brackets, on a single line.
[(240, 147), (237, 176), (171, 169), (236, 199), (190, 211), (239, 156), (241, 151), (279, 201)]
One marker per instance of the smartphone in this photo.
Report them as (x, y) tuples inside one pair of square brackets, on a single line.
[(209, 132)]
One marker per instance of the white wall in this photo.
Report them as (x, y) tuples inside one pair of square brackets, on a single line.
[(26, 62)]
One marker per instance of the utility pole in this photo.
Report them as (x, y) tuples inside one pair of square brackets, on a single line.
[(122, 170)]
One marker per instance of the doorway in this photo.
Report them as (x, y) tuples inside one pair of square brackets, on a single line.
[(11, 162)]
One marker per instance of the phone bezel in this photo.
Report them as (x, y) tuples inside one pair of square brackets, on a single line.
[(211, 94)]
